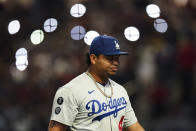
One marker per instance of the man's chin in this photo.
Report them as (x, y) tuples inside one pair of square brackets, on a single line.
[(112, 73)]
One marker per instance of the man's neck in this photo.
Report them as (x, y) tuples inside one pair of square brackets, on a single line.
[(98, 78)]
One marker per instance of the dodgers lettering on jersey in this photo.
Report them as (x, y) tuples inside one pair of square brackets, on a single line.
[(114, 104)]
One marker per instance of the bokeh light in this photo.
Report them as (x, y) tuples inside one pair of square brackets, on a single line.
[(131, 33), (50, 25), (14, 27), (89, 36), (77, 32), (21, 59), (37, 37), (21, 63), (77, 10), (160, 25), (153, 11), (22, 52)]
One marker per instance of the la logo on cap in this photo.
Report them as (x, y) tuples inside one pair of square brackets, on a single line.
[(117, 45)]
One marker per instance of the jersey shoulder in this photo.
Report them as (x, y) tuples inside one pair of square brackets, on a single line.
[(79, 82), (77, 87)]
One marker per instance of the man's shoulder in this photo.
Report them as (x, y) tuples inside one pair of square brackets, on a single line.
[(77, 88)]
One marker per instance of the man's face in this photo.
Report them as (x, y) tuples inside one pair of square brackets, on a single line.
[(107, 65)]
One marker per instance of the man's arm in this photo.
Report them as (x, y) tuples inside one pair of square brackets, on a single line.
[(56, 126), (135, 127)]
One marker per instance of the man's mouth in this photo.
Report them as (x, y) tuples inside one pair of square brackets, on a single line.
[(114, 68)]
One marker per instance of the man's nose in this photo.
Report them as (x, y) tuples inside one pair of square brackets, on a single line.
[(116, 62)]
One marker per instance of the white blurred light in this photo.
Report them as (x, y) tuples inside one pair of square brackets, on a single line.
[(14, 27), (22, 52), (131, 33), (37, 37), (153, 11), (89, 36), (78, 32), (160, 25), (77, 10), (21, 63), (50, 25)]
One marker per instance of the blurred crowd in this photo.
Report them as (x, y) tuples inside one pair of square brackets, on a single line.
[(159, 73)]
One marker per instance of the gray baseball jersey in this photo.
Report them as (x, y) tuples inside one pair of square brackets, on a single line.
[(80, 105)]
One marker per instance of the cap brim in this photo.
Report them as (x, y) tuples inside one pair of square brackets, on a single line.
[(117, 53)]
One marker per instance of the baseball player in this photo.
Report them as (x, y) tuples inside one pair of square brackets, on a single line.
[(92, 101)]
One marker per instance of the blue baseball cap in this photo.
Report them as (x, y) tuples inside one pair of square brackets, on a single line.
[(106, 45)]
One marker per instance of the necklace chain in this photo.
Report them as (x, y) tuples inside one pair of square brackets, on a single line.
[(109, 96)]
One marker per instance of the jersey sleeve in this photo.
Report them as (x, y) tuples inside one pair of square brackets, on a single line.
[(64, 108), (130, 117)]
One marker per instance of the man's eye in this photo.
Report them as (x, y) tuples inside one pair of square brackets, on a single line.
[(109, 58)]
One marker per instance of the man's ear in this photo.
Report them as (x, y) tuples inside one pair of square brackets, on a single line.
[(93, 58)]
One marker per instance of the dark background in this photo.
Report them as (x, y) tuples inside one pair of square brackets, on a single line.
[(159, 74)]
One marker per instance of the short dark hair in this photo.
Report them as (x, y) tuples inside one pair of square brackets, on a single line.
[(88, 60)]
